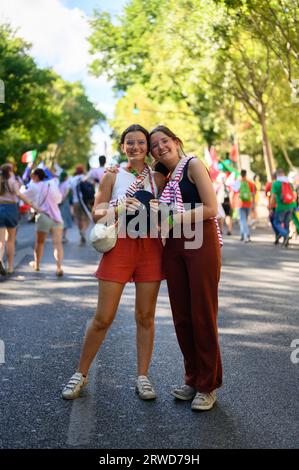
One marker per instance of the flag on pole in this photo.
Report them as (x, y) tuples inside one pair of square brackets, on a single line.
[(29, 157)]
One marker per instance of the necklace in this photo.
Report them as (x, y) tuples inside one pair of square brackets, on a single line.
[(133, 171)]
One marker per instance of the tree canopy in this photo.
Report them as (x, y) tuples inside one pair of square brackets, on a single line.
[(229, 67), (40, 108)]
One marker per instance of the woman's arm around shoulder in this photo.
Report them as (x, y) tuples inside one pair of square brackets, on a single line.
[(198, 174)]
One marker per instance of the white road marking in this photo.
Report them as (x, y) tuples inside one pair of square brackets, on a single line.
[(82, 418), (2, 352)]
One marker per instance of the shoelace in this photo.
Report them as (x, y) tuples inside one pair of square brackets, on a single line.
[(146, 385), (73, 382), (203, 396), (185, 388)]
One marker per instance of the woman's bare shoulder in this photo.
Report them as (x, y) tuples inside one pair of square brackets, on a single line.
[(108, 178)]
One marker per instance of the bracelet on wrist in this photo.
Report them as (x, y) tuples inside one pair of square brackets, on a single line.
[(170, 220)]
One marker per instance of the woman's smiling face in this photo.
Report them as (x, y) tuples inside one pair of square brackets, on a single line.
[(135, 145), (164, 148)]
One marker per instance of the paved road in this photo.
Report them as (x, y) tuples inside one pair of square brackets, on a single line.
[(43, 319)]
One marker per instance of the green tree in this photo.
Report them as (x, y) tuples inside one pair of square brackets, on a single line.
[(276, 24), (77, 117), (207, 56), (40, 108), (123, 46)]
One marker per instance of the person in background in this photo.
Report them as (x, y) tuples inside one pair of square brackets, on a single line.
[(47, 196), (283, 198), (246, 194), (27, 173), (227, 207), (253, 216), (64, 206), (81, 217), (96, 174), (9, 215), (271, 210), (219, 190)]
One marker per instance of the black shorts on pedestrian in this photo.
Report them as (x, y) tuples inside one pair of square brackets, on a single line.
[(227, 208)]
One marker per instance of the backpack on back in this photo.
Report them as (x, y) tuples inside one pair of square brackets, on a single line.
[(244, 192), (87, 192), (287, 196)]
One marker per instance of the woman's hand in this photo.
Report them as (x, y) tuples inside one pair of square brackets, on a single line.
[(112, 169), (35, 208), (27, 201), (154, 205), (133, 205)]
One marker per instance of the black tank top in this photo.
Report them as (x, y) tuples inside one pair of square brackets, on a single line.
[(188, 190)]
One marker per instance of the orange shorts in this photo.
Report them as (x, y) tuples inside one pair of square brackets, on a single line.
[(134, 260)]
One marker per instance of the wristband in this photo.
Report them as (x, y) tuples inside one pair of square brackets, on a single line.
[(170, 220), (119, 209)]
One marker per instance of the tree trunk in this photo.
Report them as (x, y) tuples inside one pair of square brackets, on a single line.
[(267, 150), (286, 156)]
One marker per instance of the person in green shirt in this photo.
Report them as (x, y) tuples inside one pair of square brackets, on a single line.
[(283, 197)]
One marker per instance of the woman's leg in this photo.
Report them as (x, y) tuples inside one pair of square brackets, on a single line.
[(108, 299), (10, 247), (145, 307), (2, 242), (229, 224), (56, 235), (180, 300), (39, 247), (204, 272)]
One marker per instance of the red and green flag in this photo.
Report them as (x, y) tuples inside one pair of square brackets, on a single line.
[(29, 157)]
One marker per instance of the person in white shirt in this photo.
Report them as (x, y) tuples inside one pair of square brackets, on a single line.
[(46, 195), (96, 174)]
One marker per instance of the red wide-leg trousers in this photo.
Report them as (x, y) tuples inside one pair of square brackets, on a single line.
[(192, 278)]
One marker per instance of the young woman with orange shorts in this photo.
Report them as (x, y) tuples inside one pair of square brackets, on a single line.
[(132, 259)]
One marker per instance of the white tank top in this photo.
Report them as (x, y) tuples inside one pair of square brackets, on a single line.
[(123, 181)]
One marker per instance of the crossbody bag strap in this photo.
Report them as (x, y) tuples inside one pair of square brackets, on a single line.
[(151, 180), (81, 201), (139, 179), (134, 186)]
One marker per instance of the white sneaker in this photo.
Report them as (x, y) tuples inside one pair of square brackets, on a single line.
[(145, 389), (185, 392), (203, 401), (74, 386)]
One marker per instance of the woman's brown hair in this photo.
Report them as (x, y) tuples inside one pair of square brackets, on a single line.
[(135, 128), (4, 176), (165, 130)]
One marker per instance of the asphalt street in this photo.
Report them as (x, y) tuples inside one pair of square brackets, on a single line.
[(42, 323)]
